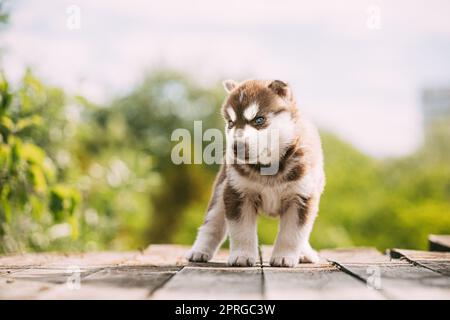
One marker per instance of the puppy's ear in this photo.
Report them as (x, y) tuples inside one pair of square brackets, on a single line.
[(229, 85), (281, 88)]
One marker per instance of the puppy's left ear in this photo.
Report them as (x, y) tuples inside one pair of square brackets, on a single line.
[(281, 88)]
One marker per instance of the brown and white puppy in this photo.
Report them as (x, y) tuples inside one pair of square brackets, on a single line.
[(253, 109)]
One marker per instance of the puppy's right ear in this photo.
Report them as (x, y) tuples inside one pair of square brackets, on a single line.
[(229, 85)]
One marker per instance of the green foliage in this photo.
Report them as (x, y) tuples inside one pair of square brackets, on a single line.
[(76, 176), (28, 176), (137, 130)]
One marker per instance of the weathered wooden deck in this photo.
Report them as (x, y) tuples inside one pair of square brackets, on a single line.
[(160, 272)]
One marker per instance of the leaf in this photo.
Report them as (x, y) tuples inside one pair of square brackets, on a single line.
[(5, 95), (32, 153), (7, 123), (63, 199), (5, 153), (37, 206), (49, 170), (56, 204), (73, 221), (38, 178), (15, 153), (27, 122), (7, 210), (5, 204), (32, 93)]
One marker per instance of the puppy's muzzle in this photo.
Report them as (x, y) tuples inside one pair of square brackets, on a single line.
[(241, 150)]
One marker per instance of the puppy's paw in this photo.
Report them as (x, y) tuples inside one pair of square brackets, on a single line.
[(283, 261), (309, 256), (197, 256), (241, 260)]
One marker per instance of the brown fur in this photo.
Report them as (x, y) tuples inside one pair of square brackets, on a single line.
[(259, 91), (233, 202), (220, 178), (292, 166)]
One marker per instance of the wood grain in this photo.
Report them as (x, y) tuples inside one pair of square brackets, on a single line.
[(213, 283), (395, 279), (436, 261), (315, 283), (161, 272)]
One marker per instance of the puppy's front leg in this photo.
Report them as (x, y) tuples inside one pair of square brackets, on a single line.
[(212, 233), (292, 242), (241, 220)]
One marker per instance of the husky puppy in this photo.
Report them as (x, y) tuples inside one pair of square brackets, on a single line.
[(252, 110)]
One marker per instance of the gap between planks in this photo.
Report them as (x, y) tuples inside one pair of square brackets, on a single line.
[(160, 272), (433, 260), (305, 281), (395, 279)]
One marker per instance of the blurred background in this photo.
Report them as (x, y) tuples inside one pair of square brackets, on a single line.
[(90, 92)]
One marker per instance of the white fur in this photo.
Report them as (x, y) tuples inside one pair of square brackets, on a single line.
[(229, 144), (241, 96), (251, 111), (243, 238), (231, 113), (292, 241), (266, 145), (210, 235)]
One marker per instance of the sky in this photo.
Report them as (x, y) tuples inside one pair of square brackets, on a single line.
[(356, 67)]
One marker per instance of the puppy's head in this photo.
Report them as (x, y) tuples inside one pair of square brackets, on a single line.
[(259, 118)]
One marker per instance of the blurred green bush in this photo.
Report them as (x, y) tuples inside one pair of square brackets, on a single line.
[(76, 176)]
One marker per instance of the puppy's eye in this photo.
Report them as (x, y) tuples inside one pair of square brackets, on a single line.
[(259, 120), (230, 124)]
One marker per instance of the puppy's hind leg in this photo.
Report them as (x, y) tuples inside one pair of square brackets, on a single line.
[(212, 233)]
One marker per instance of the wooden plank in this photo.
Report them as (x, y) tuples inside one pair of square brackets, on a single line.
[(22, 289), (312, 281), (31, 283), (61, 260), (172, 255), (395, 279), (47, 274), (439, 243), (159, 255), (357, 255), (6, 271), (27, 260), (92, 259), (93, 292), (433, 260), (127, 277), (213, 283), (111, 274), (53, 275), (123, 282)]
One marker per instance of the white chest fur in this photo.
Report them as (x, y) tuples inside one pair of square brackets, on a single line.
[(271, 199), (273, 196)]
